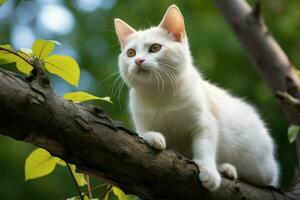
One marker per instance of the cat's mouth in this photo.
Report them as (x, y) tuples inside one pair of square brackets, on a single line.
[(141, 70)]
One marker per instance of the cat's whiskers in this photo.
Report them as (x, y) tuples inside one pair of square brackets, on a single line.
[(167, 73), (169, 66), (108, 77), (162, 80), (157, 79), (120, 91), (128, 77), (173, 79), (153, 73), (116, 94), (170, 75), (114, 86)]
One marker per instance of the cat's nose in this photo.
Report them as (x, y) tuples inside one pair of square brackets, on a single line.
[(139, 61)]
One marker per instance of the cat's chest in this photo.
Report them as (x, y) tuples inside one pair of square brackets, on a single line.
[(176, 126), (171, 118), (172, 122)]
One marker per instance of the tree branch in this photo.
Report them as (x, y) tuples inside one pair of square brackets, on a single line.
[(103, 148), (269, 58), (271, 61)]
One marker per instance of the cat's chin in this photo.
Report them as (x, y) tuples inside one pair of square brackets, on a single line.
[(141, 71), (141, 74), (141, 81)]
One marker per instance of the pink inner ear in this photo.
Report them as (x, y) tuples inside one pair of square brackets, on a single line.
[(173, 22), (123, 31)]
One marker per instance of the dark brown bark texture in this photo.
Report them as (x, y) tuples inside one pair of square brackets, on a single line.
[(103, 148)]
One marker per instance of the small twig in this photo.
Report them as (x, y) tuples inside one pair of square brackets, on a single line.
[(37, 68), (98, 186), (257, 10), (75, 182), (35, 63), (87, 179), (284, 97), (25, 54), (16, 54), (107, 190)]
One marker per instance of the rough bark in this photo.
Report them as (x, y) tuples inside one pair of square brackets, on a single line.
[(86, 136)]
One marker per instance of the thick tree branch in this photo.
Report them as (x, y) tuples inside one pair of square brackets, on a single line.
[(104, 148), (271, 61)]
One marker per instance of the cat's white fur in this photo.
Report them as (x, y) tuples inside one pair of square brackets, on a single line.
[(172, 105)]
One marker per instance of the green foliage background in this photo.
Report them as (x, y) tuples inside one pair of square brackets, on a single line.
[(216, 52)]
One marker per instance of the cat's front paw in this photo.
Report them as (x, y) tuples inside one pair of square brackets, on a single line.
[(209, 177), (155, 139)]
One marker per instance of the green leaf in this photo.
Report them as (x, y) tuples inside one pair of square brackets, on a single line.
[(6, 46), (39, 163), (11, 56), (78, 176), (74, 198), (119, 193), (61, 162), (132, 197), (2, 2), (106, 197), (26, 51), (293, 132), (42, 48), (6, 56), (85, 197), (23, 66), (84, 96), (63, 66)]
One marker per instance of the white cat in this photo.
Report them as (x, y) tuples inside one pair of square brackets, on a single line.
[(171, 104)]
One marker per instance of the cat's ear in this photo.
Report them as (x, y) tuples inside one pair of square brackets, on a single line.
[(173, 22), (123, 30)]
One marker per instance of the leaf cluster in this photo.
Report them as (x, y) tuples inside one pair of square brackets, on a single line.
[(40, 162)]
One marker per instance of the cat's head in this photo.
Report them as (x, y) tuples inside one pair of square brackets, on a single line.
[(155, 57)]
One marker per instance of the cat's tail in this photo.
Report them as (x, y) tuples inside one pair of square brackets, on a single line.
[(228, 170)]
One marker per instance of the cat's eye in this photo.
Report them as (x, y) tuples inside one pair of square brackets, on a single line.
[(131, 52), (154, 48)]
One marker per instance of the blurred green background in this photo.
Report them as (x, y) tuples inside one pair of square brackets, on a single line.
[(85, 29)]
